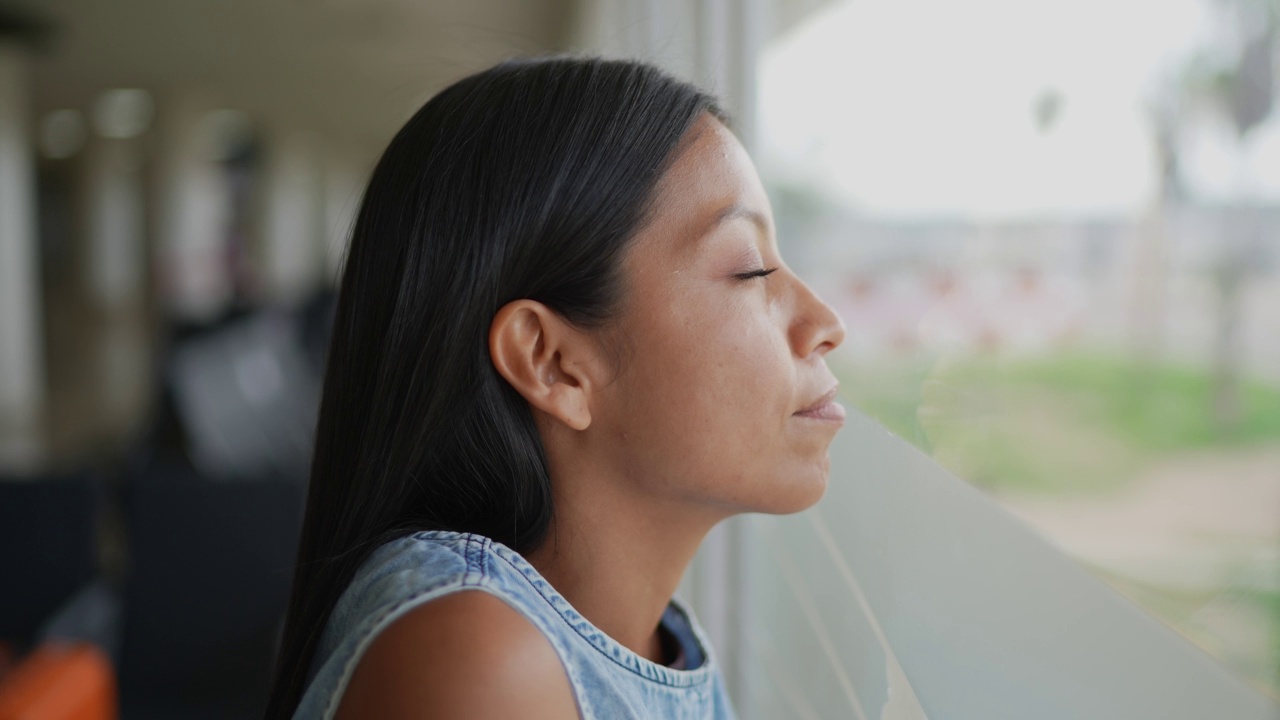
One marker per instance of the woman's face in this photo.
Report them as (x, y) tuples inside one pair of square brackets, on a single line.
[(709, 402)]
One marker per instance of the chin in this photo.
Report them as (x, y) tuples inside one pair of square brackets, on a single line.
[(798, 490)]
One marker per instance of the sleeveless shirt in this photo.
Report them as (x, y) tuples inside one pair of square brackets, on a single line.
[(609, 681)]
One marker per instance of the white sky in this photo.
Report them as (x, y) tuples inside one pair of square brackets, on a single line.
[(925, 106)]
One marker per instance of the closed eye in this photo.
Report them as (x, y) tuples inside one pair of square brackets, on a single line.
[(755, 273)]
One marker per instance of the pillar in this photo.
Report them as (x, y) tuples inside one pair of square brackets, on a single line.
[(114, 224), (292, 249), (193, 204), (22, 392)]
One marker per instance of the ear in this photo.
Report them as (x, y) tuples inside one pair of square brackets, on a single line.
[(545, 358)]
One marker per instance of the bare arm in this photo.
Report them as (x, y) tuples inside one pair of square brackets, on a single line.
[(465, 655)]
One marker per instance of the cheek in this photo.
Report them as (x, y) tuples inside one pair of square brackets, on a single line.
[(729, 355), (709, 397), (748, 377)]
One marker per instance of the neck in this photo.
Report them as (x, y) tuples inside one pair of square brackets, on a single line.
[(616, 558)]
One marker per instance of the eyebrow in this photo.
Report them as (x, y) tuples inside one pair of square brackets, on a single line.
[(737, 211)]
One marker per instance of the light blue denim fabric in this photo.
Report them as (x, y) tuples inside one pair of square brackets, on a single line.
[(609, 681)]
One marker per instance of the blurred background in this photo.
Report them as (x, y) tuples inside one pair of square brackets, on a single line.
[(1052, 229)]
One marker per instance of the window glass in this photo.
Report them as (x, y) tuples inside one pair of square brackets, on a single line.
[(1053, 231)]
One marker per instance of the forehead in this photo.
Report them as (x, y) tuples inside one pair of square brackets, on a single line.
[(711, 172)]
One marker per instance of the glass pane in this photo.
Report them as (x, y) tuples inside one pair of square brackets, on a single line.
[(1053, 231)]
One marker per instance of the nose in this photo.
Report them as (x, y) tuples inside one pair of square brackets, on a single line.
[(815, 328)]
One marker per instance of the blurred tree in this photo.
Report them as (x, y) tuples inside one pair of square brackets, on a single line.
[(1047, 108), (1234, 76)]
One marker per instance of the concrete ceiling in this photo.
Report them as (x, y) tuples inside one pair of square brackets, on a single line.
[(351, 70)]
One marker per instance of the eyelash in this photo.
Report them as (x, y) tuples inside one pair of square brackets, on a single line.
[(754, 274)]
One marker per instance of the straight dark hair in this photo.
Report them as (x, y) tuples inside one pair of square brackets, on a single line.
[(526, 180)]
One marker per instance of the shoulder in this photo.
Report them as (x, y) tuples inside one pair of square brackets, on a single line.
[(464, 655)]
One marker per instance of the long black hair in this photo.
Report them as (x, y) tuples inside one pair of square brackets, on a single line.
[(525, 180)]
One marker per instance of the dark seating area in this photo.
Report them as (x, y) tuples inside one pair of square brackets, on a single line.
[(173, 562), (210, 564), (48, 529)]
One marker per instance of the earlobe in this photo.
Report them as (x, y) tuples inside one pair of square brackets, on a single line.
[(539, 354)]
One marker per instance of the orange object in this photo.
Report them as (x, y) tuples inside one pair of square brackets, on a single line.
[(60, 681)]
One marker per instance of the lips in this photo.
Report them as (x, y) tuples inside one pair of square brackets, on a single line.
[(824, 408)]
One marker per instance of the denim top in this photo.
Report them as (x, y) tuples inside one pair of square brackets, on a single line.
[(609, 681)]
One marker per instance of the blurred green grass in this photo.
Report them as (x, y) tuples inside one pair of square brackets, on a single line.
[(1068, 423)]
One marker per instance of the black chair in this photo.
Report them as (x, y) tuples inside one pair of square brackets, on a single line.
[(48, 548), (210, 565)]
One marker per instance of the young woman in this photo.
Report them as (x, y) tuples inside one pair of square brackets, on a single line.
[(566, 346)]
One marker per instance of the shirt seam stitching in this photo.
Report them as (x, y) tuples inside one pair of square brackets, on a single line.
[(692, 683)]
